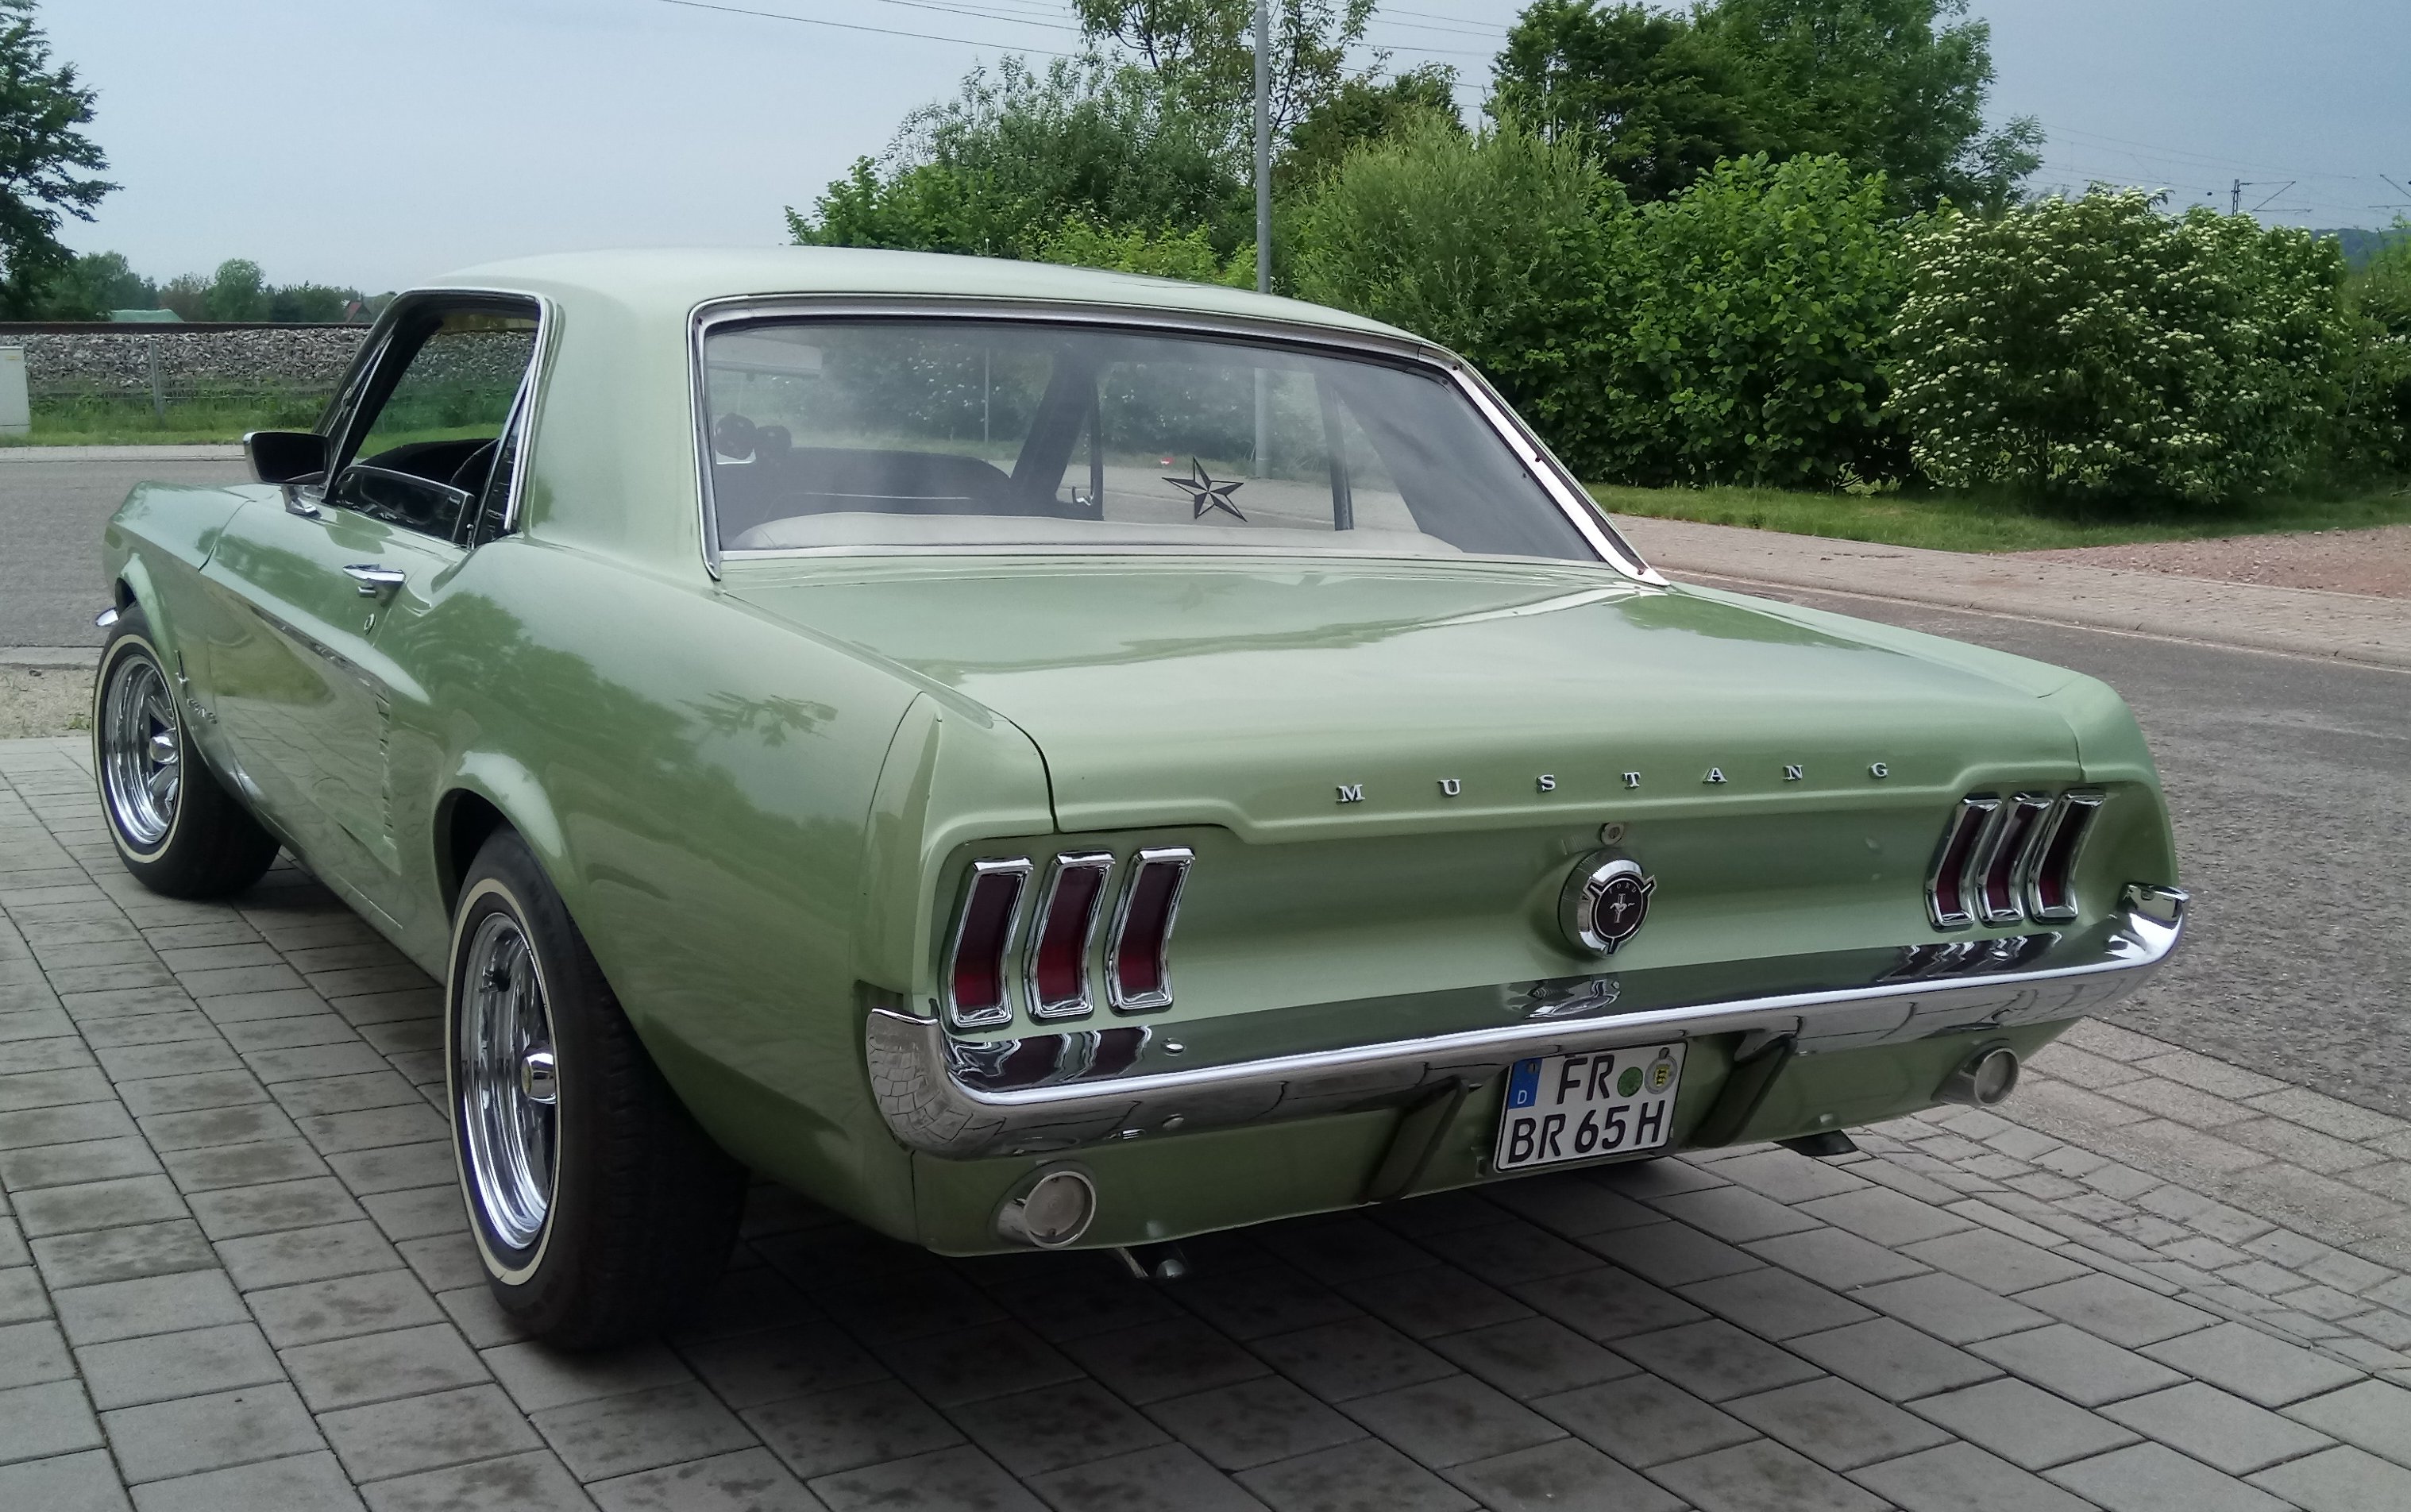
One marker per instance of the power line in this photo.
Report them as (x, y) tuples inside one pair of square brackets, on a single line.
[(857, 26)]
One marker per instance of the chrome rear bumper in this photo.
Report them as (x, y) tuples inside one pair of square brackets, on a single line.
[(964, 1099)]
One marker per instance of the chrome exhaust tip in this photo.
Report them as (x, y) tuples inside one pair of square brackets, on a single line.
[(1047, 1209), (1990, 1075)]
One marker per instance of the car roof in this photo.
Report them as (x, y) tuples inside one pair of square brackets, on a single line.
[(673, 281)]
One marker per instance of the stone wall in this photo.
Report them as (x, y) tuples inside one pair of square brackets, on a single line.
[(70, 360)]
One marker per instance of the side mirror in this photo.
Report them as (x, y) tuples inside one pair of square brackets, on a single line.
[(286, 455)]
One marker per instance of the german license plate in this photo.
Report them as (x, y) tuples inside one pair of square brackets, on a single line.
[(1581, 1107)]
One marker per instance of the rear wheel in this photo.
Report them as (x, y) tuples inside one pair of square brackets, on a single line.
[(599, 1209), (177, 829)]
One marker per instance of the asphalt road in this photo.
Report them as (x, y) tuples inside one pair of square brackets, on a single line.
[(2289, 779), (51, 518)]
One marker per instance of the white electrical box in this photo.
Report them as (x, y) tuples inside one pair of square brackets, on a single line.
[(16, 413)]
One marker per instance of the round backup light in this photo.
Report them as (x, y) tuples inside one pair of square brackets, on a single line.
[(1990, 1075), (1049, 1209)]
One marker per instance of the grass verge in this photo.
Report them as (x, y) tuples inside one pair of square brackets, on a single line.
[(1981, 522)]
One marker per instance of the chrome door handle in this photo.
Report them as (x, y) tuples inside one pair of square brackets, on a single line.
[(375, 579)]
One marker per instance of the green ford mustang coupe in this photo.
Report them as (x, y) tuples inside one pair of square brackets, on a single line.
[(1033, 757)]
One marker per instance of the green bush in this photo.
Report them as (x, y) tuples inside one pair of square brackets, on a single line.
[(1503, 246), (1755, 309), (2376, 414), (2096, 348), (1163, 254)]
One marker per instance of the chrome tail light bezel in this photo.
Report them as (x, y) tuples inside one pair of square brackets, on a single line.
[(2005, 853), (1950, 881), (2053, 851), (1149, 862), (1082, 1001), (982, 876)]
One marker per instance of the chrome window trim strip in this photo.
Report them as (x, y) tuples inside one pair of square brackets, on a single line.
[(929, 1107), (1180, 858), (1555, 478), (1084, 1002), (985, 1018)]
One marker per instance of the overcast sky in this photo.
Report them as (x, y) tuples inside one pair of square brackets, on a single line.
[(376, 145)]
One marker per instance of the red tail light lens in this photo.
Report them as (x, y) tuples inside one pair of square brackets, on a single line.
[(1948, 887), (1996, 899), (984, 929), (1067, 920), (2051, 873), (1138, 974)]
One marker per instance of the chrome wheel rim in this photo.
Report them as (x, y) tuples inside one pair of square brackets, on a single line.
[(509, 1097), (141, 752)]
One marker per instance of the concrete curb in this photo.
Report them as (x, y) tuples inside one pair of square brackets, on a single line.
[(2336, 627), (46, 657)]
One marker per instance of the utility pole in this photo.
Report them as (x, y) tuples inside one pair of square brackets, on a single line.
[(1264, 203), (2235, 199)]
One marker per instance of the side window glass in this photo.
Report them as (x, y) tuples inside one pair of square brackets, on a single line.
[(493, 503), (426, 454)]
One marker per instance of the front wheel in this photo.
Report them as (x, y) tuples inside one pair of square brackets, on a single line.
[(176, 829), (599, 1209)]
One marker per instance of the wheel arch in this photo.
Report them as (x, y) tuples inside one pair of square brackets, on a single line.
[(491, 792)]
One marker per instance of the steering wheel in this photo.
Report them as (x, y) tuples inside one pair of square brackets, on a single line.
[(470, 476)]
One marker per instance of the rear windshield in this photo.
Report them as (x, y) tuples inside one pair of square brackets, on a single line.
[(914, 433)]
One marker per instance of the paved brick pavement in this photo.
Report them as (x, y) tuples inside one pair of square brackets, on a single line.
[(232, 1274)]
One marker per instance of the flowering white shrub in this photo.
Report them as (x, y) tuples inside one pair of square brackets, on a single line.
[(2099, 347)]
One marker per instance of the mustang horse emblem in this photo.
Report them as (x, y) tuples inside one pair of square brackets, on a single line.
[(1204, 493)]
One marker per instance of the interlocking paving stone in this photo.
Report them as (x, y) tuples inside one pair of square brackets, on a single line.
[(2219, 1428), (1604, 1304), (1352, 1358), (1672, 1254), (2374, 1415), (829, 1431), (1645, 1422), (1451, 1420), (753, 1369), (1715, 1360), (1891, 1359), (1775, 1304), (299, 1483), (376, 1367), (21, 1297), (1081, 1422), (2118, 1311), (122, 1253), (1157, 1361), (1564, 1473), (426, 1433), (190, 1434), (1431, 1301), (85, 1482), (1761, 1476), (2075, 1365), (1961, 1477), (2342, 1479), (31, 1352), (2022, 1423), (747, 1480), (530, 1482), (1836, 1423), (156, 1367), (2152, 1478), (641, 1430), (1570, 1204), (2253, 1364), (315, 1254), (1505, 1254), (1956, 1311), (1532, 1357), (314, 1312), (1366, 1475), (101, 1204), (1836, 1258), (948, 1480)]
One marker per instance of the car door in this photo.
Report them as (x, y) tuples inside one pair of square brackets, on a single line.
[(303, 696)]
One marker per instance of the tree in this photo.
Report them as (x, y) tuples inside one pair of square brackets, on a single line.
[(40, 153), (92, 285), (238, 291), (1641, 90), (2096, 348), (320, 304), (1504, 245), (1895, 86), (996, 170), (1207, 48), (1360, 112)]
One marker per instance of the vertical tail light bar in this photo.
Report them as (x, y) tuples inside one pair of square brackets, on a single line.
[(1949, 890), (1996, 868), (985, 922), (2049, 865), (1068, 906), (1138, 974)]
